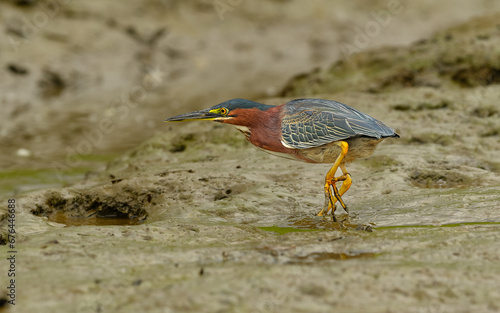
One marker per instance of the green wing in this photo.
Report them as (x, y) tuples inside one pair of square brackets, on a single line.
[(308, 123)]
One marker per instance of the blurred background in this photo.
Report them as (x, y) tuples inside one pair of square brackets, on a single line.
[(189, 217), (109, 72)]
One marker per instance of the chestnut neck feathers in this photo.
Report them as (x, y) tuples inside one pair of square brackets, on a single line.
[(261, 127)]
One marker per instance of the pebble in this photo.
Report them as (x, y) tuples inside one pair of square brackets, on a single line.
[(24, 153)]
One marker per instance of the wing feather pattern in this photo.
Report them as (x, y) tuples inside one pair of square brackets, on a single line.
[(311, 123)]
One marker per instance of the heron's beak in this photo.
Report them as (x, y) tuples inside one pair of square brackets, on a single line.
[(197, 115)]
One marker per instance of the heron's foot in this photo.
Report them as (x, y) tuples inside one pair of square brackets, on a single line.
[(326, 208), (329, 204), (336, 191), (323, 212), (340, 222), (333, 194)]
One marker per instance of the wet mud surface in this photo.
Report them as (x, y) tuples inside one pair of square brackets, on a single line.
[(195, 219)]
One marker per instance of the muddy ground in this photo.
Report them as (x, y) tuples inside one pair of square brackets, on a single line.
[(195, 219)]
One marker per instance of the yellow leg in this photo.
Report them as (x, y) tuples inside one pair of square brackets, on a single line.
[(330, 181), (346, 184), (330, 199)]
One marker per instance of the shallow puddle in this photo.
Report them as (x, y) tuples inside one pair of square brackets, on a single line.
[(325, 256), (322, 223), (316, 224), (68, 220)]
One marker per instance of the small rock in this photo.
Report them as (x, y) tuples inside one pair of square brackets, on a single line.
[(25, 153), (17, 69)]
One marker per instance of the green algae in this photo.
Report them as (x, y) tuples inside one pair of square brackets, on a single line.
[(437, 226)]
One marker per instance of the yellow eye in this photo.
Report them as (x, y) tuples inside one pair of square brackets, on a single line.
[(223, 111)]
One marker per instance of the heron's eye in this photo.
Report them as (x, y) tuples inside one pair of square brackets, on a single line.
[(223, 111)]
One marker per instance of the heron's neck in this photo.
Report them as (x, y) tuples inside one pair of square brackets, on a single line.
[(261, 127)]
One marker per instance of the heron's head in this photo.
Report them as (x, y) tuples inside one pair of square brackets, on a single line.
[(235, 111)]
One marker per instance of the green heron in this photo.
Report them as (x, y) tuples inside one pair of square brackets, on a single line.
[(309, 130)]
